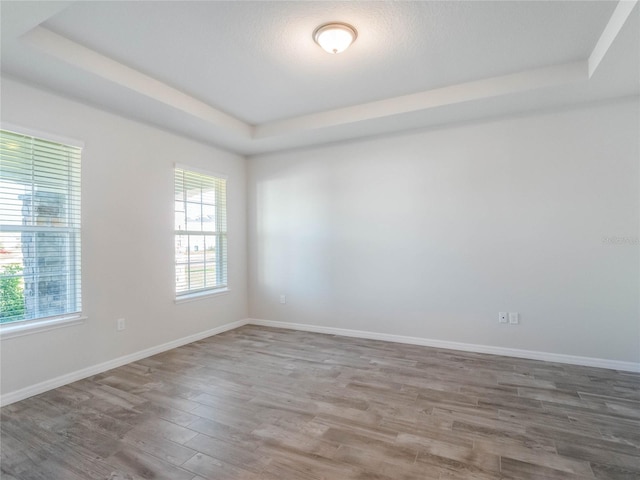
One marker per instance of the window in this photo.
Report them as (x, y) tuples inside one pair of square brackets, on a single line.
[(200, 232), (39, 229)]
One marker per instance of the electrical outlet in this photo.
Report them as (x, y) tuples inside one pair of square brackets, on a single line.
[(120, 325), (283, 299), (502, 317), (514, 319)]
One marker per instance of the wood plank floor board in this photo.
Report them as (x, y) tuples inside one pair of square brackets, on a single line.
[(610, 472), (213, 468), (140, 465), (259, 403), (519, 469), (160, 447), (535, 456)]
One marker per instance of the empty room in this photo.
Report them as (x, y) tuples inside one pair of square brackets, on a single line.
[(317, 240)]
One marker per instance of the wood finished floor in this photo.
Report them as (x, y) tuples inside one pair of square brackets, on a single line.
[(264, 403)]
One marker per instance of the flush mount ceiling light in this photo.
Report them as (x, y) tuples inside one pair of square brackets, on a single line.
[(335, 37)]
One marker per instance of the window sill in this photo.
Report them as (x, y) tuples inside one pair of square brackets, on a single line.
[(192, 297), (19, 329)]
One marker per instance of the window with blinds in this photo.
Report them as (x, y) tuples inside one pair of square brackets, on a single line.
[(200, 232), (39, 228)]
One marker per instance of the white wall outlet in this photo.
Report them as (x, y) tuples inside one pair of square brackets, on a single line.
[(120, 325), (502, 317), (283, 299), (514, 318)]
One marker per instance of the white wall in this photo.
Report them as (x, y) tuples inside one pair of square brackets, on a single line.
[(426, 234), (127, 239), (430, 234)]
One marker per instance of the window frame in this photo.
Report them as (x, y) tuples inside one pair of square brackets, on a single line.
[(222, 254), (41, 324)]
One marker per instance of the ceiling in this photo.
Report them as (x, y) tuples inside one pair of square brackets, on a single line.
[(248, 77)]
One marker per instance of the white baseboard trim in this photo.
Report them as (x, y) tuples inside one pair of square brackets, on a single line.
[(17, 395), (465, 347)]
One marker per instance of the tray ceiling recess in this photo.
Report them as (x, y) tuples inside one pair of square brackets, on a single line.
[(249, 77)]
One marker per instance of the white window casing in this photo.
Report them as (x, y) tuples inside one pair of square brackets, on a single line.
[(40, 233)]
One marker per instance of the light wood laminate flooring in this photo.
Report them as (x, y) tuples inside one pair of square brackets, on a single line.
[(265, 403)]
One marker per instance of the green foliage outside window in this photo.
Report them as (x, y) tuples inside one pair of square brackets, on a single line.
[(11, 294)]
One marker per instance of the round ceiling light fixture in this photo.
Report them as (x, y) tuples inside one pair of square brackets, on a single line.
[(335, 37)]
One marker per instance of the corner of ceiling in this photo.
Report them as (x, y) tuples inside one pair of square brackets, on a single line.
[(614, 25)]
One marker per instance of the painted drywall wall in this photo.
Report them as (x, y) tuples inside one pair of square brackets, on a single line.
[(127, 239), (430, 234)]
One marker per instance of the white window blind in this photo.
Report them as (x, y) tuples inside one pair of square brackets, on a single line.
[(39, 228), (200, 232)]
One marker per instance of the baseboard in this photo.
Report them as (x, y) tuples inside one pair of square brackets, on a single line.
[(17, 395), (466, 347)]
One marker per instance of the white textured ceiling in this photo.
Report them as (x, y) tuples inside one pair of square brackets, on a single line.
[(247, 75)]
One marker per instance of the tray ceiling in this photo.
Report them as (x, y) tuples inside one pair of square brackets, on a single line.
[(247, 76)]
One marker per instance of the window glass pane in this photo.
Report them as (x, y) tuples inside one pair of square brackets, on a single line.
[(40, 219), (210, 249), (200, 265), (196, 276), (48, 208), (194, 217), (46, 277), (222, 259), (196, 248), (182, 248), (179, 190), (182, 262), (208, 218), (11, 282), (10, 199), (180, 219), (209, 196), (210, 276), (182, 277)]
